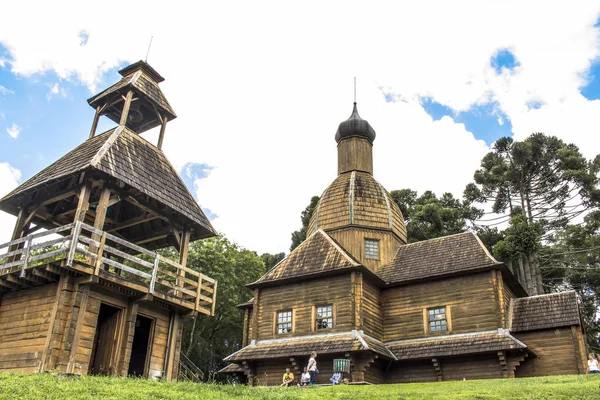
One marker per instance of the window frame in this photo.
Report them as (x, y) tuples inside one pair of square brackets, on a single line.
[(427, 321), (376, 242), (277, 324), (316, 317)]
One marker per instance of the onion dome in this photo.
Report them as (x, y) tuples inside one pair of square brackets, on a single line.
[(355, 126), (356, 199)]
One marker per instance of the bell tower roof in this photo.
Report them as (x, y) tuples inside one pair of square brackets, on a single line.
[(355, 126), (136, 101)]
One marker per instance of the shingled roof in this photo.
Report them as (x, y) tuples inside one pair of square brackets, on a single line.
[(231, 368), (453, 345), (545, 311), (437, 257), (124, 155), (304, 345), (319, 253), (145, 83)]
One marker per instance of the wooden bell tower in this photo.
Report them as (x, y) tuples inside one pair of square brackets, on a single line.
[(82, 256)]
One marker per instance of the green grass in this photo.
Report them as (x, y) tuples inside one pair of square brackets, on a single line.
[(47, 386)]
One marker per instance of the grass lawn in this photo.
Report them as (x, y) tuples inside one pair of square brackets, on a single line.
[(47, 386)]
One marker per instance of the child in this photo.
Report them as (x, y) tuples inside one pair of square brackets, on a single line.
[(305, 378)]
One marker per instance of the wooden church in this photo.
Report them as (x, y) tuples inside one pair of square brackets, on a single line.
[(441, 309), (83, 289)]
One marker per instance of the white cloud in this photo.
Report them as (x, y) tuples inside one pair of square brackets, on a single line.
[(55, 89), (14, 130), (9, 179), (5, 91), (261, 100)]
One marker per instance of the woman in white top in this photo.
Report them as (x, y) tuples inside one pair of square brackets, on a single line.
[(593, 365), (305, 380), (312, 367)]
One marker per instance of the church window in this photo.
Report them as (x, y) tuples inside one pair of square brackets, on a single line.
[(324, 317), (437, 319), (284, 322), (372, 249)]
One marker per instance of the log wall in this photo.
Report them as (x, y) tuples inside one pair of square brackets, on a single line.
[(411, 371), (470, 301), (24, 320), (559, 352), (371, 310), (301, 298), (353, 241)]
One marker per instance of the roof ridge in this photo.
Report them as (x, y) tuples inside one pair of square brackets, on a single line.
[(435, 239), (483, 247), (362, 341), (106, 146), (287, 256), (546, 295)]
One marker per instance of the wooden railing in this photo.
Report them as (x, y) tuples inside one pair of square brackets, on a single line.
[(157, 275)]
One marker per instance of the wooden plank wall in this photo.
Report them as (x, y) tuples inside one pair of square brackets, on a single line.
[(486, 366), (371, 308), (374, 372), (411, 371), (24, 321), (353, 241), (556, 353), (471, 300), (508, 295), (301, 297)]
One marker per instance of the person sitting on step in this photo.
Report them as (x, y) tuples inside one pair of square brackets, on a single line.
[(288, 378)]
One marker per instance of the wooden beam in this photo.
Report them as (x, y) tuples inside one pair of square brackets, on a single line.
[(143, 207), (126, 106), (83, 203), (161, 136), (77, 320), (95, 122), (151, 239), (132, 222)]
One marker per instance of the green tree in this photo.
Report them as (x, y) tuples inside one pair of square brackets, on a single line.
[(546, 180), (207, 340), (272, 260), (300, 236), (571, 260), (428, 216)]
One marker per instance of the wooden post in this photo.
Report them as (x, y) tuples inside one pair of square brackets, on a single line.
[(126, 106), (95, 122), (20, 227), (84, 202), (198, 293), (183, 255), (172, 348), (154, 273), (162, 131), (99, 255), (128, 332), (77, 318), (100, 215), (26, 256), (53, 325), (214, 299)]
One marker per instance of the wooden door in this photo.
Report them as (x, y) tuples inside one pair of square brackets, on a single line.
[(105, 352)]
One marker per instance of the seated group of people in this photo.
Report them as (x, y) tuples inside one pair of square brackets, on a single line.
[(288, 378)]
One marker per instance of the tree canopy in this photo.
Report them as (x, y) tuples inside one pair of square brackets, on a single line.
[(300, 235), (427, 216)]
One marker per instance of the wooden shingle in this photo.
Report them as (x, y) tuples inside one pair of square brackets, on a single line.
[(121, 153), (319, 253), (304, 345), (436, 257), (454, 345), (546, 311)]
